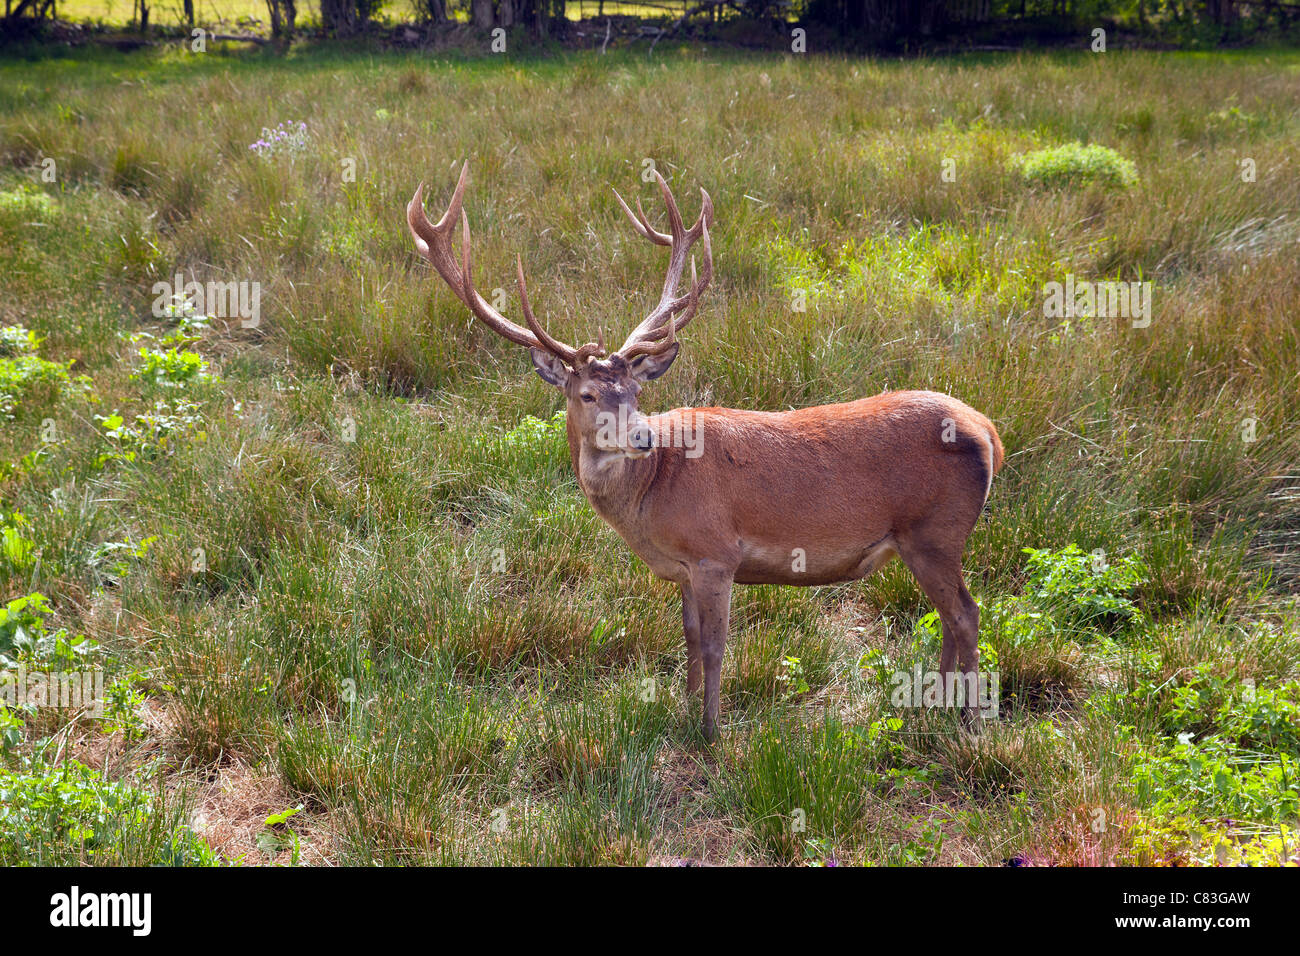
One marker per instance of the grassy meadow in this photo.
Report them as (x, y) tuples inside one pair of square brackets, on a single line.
[(349, 603)]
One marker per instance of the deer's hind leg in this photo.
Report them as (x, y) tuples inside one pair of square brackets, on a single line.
[(938, 572)]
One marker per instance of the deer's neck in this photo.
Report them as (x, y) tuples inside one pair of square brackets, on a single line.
[(614, 484)]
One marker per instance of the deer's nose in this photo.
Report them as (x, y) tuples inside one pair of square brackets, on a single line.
[(641, 438)]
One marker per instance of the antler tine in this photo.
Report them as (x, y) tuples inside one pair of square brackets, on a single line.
[(433, 241), (575, 358), (565, 352), (706, 210), (592, 349), (641, 224), (674, 215), (430, 238), (660, 322), (694, 300), (690, 302), (457, 198), (662, 238), (668, 333), (466, 269)]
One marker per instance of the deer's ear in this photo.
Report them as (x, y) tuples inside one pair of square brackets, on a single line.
[(644, 368), (549, 367)]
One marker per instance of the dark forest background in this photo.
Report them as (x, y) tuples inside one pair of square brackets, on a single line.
[(885, 25)]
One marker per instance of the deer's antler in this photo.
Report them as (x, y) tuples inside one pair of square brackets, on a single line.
[(659, 329), (433, 242)]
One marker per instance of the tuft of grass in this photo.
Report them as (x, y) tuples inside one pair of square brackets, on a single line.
[(1074, 164), (794, 781)]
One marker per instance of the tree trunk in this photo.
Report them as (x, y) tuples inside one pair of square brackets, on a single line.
[(506, 13), (338, 16), (481, 11)]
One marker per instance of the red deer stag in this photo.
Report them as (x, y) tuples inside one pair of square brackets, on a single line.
[(711, 497)]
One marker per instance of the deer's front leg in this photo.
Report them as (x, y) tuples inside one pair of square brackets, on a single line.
[(712, 589), (691, 628)]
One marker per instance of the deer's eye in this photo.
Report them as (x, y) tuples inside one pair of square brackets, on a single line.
[(588, 398)]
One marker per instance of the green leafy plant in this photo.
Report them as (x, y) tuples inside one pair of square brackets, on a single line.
[(190, 322), (24, 465), (27, 202), (25, 639), (793, 677), (924, 848), (11, 729), (535, 436), (1082, 589), (1017, 621), (1202, 703), (72, 813), (1233, 119), (172, 368), (15, 548), (153, 434), (16, 340), (1263, 718), (879, 663), (123, 700), (114, 560), (1212, 776), (277, 836), (534, 446), (817, 852), (23, 376)]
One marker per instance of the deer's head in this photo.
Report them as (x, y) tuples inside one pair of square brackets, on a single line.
[(600, 388)]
